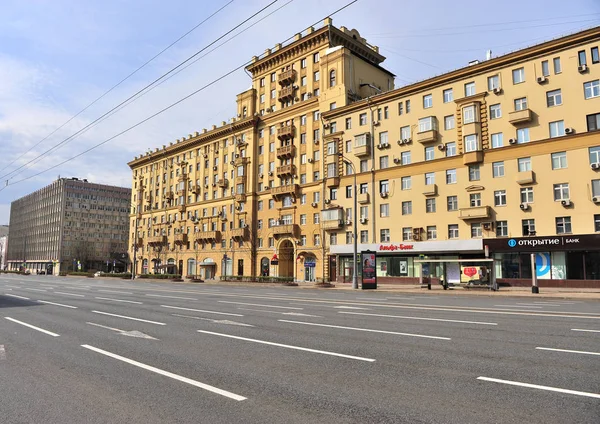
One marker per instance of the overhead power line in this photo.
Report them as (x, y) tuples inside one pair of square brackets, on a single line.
[(115, 86), (167, 107)]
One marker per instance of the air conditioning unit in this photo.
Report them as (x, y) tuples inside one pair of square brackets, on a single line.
[(232, 162), (260, 175), (596, 199), (205, 185), (569, 130), (269, 110), (349, 222), (566, 203), (384, 195), (238, 208), (595, 166), (385, 145), (406, 141), (400, 142), (376, 123), (441, 147), (497, 90), (397, 160), (363, 220), (542, 79), (416, 237), (317, 142), (310, 160), (487, 225), (582, 68), (314, 204), (512, 141), (205, 155), (270, 173), (326, 126), (308, 95), (524, 206), (214, 184), (237, 155), (215, 168)]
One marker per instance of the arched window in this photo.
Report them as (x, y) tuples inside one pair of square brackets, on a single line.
[(244, 111), (332, 78)]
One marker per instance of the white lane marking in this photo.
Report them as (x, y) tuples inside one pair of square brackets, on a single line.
[(195, 383), (40, 290), (50, 333), (70, 294), (324, 352), (114, 291), (349, 307), (215, 321), (119, 300), (568, 351), (264, 306), (57, 304), (536, 305), (48, 287), (536, 386), (583, 329), (80, 288), (2, 353), (104, 326), (420, 318), (298, 314), (201, 310), (517, 306), (365, 329), (133, 333), (14, 295), (131, 318), (14, 287), (171, 297)]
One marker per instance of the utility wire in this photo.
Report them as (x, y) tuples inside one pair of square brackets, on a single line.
[(168, 107), (141, 90), (116, 85)]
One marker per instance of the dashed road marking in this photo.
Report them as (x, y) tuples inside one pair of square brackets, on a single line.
[(536, 386), (41, 330)]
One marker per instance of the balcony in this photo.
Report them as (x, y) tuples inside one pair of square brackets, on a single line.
[(333, 182), (181, 208), (195, 189), (362, 198), (181, 238), (240, 160), (286, 152), (332, 224), (284, 190), (525, 177), (427, 136), (240, 197), (286, 170), (169, 195), (519, 116), (241, 233), (473, 157), (478, 212), (286, 132), (223, 183), (430, 190), (286, 230), (139, 242), (208, 236), (157, 240), (286, 93), (286, 77), (364, 150), (241, 179), (183, 176)]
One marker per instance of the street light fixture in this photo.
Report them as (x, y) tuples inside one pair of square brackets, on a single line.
[(355, 247)]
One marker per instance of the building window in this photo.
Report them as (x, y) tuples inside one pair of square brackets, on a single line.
[(400, 108), (262, 98), (471, 144), (364, 212), (563, 225), (594, 153), (332, 239), (469, 89), (450, 149), (362, 119), (561, 192), (557, 129), (591, 89), (468, 114), (595, 188), (581, 58), (559, 160), (429, 178), (597, 223), (332, 106), (348, 123), (405, 158), (495, 111), (528, 226), (497, 140), (407, 207), (474, 173), (554, 98), (545, 68), (523, 135), (501, 228), (383, 162), (405, 133), (407, 233), (527, 195), (430, 205), (475, 200), (500, 198), (316, 76), (431, 232), (448, 122), (524, 164), (262, 82), (476, 230), (521, 103), (556, 64), (448, 95), (429, 153), (364, 236), (384, 186), (332, 78), (406, 183), (364, 165), (595, 56), (384, 210), (593, 122), (453, 231), (452, 203), (498, 169), (518, 75), (316, 57), (427, 101), (451, 176), (493, 82), (348, 146), (407, 106), (384, 235)]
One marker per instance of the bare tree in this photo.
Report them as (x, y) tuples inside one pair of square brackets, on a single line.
[(83, 251)]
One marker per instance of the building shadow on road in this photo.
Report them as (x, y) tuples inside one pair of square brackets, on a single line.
[(13, 302)]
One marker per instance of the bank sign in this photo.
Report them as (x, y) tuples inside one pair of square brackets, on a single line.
[(545, 244)]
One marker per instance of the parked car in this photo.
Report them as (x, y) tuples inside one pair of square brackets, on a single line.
[(98, 274)]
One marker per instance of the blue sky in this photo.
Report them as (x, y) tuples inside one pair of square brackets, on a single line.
[(56, 56)]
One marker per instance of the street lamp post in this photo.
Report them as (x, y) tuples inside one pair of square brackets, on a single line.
[(355, 224)]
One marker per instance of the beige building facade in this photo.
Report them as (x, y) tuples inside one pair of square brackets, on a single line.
[(497, 160)]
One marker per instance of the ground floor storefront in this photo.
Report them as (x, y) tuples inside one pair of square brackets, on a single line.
[(409, 262), (558, 261)]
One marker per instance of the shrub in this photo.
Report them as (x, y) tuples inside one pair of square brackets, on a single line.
[(118, 275), (62, 274), (79, 273), (159, 276)]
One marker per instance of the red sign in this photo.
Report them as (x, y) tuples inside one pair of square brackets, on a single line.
[(274, 258), (394, 247), (470, 271)]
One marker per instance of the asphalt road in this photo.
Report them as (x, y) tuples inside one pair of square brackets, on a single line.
[(113, 351)]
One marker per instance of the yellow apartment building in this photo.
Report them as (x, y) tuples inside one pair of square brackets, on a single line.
[(496, 160)]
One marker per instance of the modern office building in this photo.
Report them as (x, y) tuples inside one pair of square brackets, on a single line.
[(71, 224), (496, 160)]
